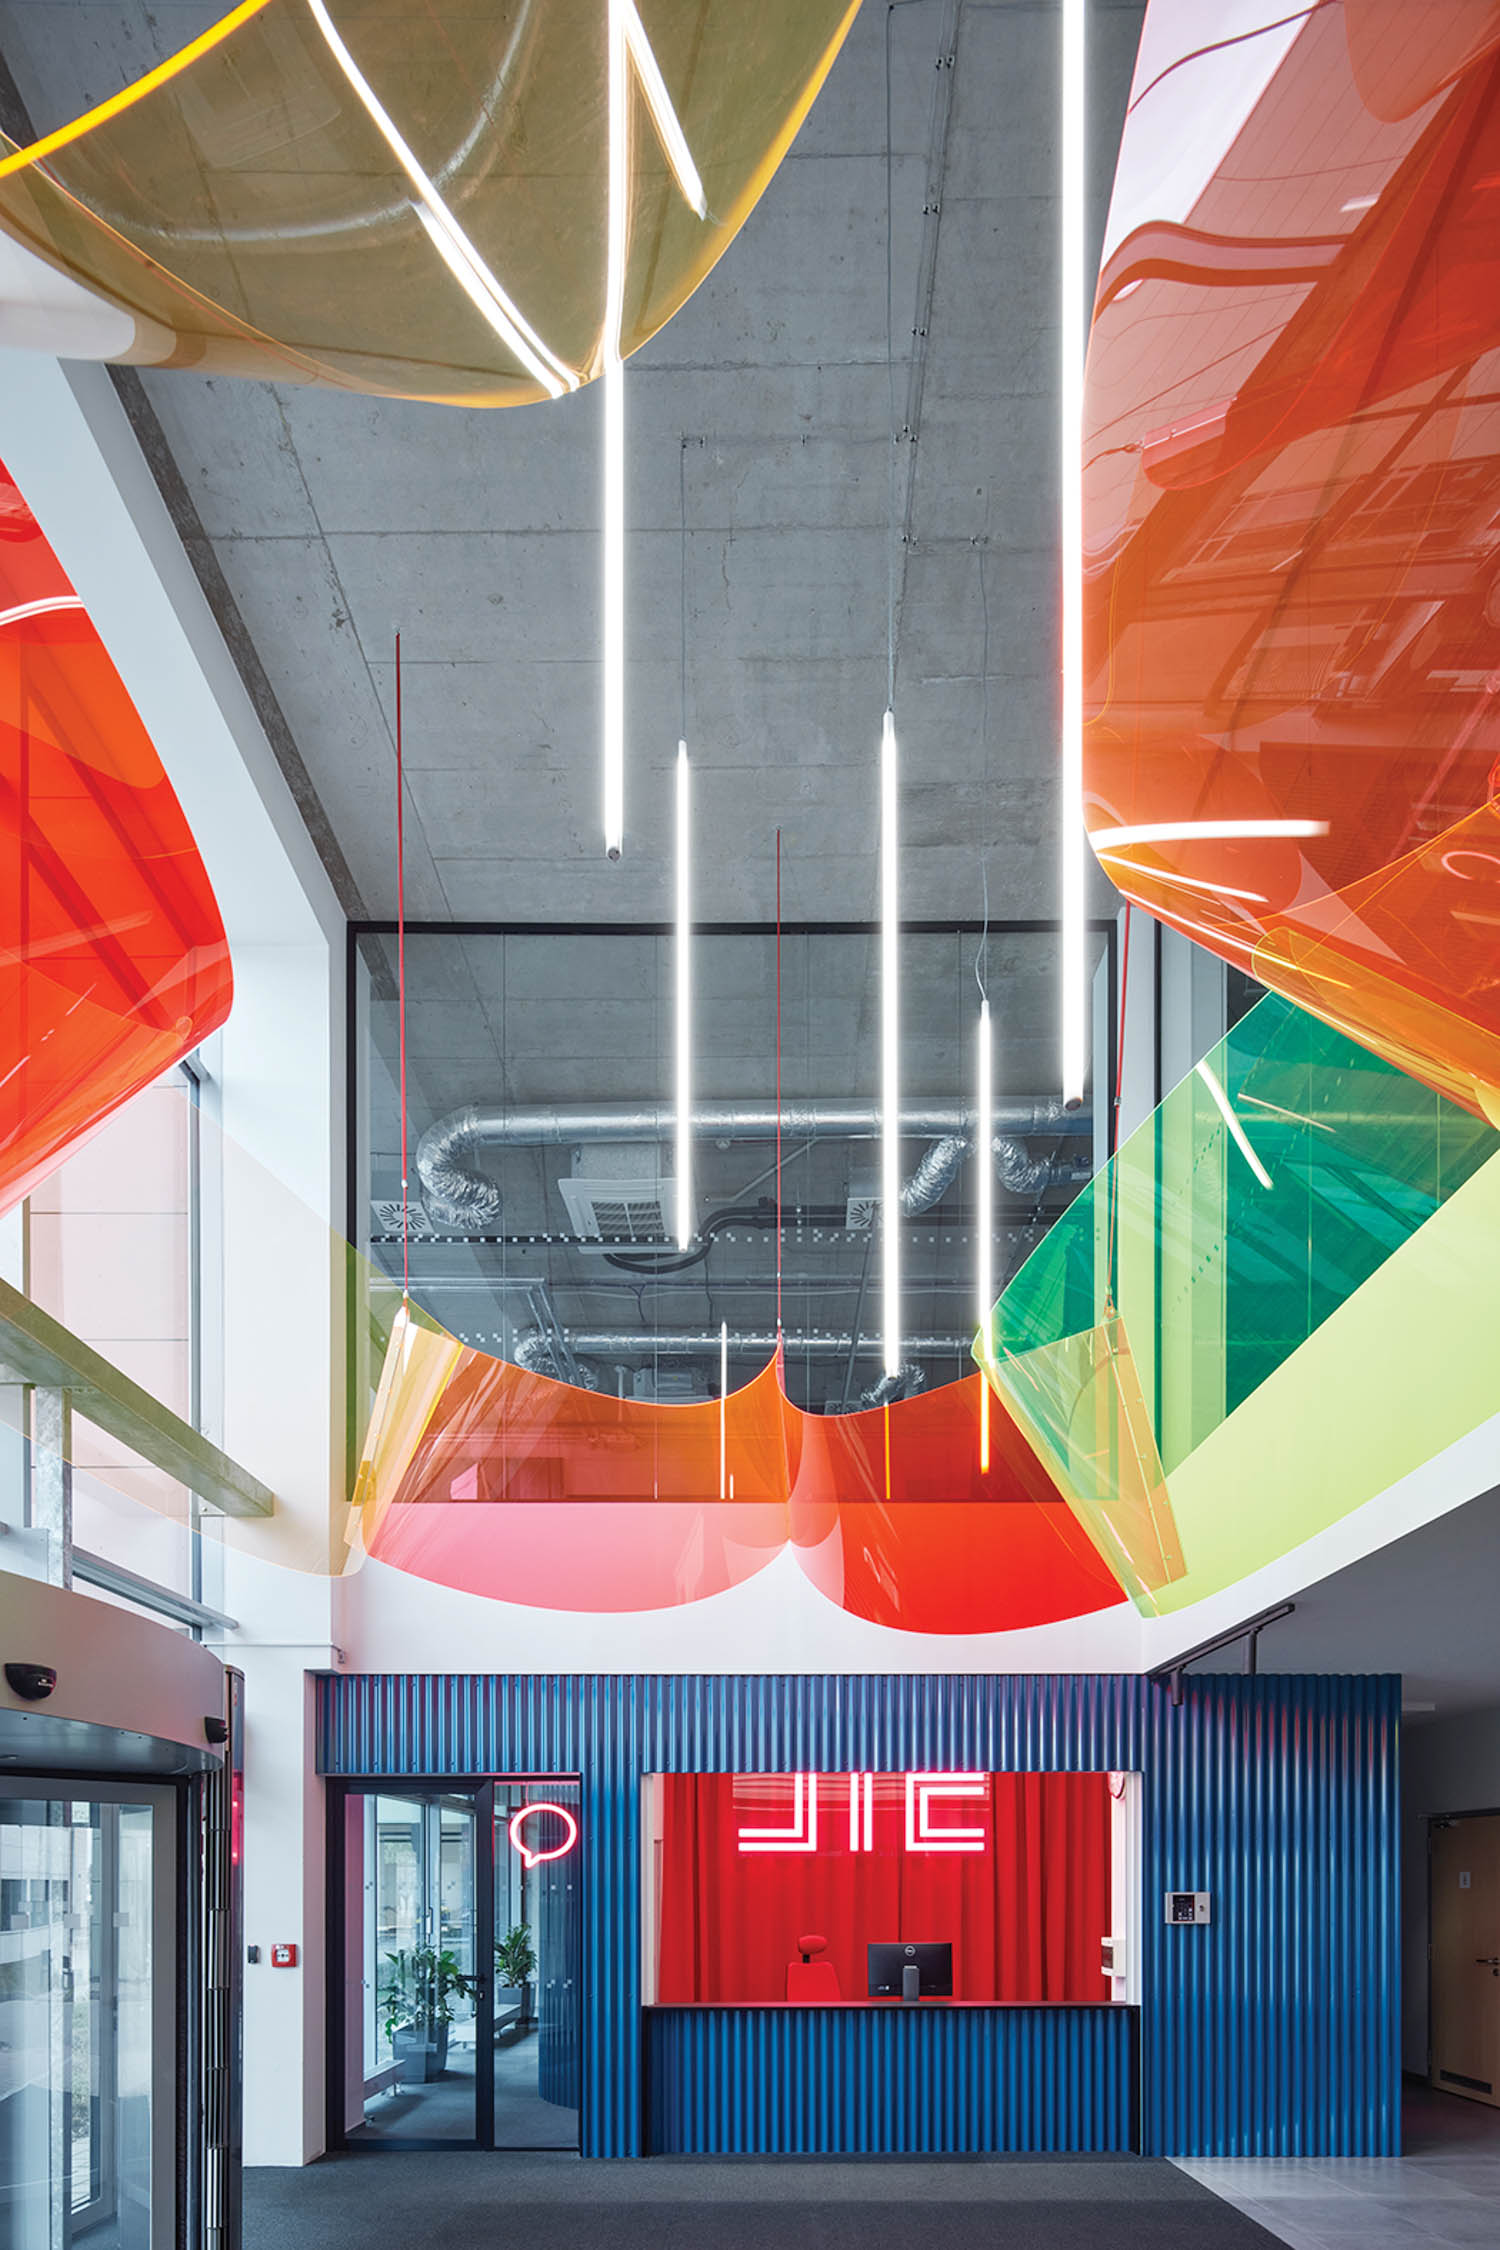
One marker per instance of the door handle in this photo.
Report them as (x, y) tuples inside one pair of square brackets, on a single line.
[(1487, 1960)]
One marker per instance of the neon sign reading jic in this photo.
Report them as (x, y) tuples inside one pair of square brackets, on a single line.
[(926, 1829)]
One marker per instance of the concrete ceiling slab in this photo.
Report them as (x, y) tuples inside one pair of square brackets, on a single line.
[(761, 418)]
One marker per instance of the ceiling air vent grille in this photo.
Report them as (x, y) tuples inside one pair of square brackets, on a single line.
[(643, 1211)]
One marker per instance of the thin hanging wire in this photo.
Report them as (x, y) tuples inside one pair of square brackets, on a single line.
[(401, 980), (890, 384)]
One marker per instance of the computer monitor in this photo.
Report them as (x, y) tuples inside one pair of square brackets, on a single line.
[(910, 1971)]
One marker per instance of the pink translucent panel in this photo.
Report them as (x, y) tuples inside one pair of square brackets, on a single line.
[(480, 1475)]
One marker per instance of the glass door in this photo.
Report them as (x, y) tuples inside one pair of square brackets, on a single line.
[(87, 2016), (412, 1873), (458, 1921), (537, 1964)]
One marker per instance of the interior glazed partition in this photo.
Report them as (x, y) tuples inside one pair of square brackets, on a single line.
[(1272, 2031)]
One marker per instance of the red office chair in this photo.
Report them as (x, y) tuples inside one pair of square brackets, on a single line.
[(812, 1983)]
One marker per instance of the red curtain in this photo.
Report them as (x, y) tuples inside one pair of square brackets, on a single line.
[(1024, 1916)]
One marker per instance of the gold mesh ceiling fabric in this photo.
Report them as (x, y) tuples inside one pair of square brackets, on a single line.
[(343, 191)]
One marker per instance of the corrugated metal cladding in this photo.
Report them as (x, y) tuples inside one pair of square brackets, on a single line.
[(1271, 2032), (889, 2081)]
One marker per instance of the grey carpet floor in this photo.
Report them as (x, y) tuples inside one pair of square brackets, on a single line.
[(443, 2109), (465, 2201)]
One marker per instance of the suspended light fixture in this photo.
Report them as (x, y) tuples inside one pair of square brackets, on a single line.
[(1073, 266), (612, 383), (984, 1217), (684, 1005), (628, 48), (890, 1037), (723, 1409)]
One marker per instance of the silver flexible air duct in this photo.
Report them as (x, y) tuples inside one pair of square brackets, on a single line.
[(538, 1353), (934, 1175), (1020, 1173), (886, 1389), (460, 1196)]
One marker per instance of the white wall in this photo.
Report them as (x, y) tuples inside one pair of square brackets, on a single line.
[(275, 1088)]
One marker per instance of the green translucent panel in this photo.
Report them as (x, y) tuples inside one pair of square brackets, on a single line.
[(1233, 1337)]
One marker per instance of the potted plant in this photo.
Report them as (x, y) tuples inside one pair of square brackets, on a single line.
[(417, 2003), (515, 1965)]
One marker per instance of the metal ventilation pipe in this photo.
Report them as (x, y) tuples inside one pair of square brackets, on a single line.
[(1021, 1173), (689, 1343), (458, 1194), (538, 1353), (934, 1175)]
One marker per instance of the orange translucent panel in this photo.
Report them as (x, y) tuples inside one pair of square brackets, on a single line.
[(413, 200), (480, 1475), (1292, 502), (113, 960)]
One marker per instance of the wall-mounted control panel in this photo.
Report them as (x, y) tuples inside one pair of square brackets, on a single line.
[(1189, 1906)]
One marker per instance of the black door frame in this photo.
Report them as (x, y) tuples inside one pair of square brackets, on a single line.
[(481, 1788), (481, 1793)]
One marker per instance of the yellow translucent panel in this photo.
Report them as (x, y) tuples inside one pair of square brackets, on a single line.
[(353, 192)]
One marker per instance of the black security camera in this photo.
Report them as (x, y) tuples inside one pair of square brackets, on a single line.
[(32, 1682)]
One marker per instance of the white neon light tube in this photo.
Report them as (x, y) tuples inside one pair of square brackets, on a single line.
[(1072, 263), (42, 607), (1226, 1110), (463, 260), (890, 1037), (663, 115), (984, 1215), (684, 1004), (984, 1185), (723, 1409), (1204, 831), (613, 386)]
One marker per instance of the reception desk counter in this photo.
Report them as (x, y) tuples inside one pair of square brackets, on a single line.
[(890, 2078)]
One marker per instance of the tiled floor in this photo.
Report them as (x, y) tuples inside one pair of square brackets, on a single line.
[(1442, 2193)]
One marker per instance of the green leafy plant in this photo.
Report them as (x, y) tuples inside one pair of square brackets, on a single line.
[(515, 1957), (418, 1992)]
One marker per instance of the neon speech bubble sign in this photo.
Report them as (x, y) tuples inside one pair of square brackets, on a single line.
[(530, 1856)]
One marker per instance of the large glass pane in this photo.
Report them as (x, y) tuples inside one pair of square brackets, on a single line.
[(411, 1864), (78, 2003), (542, 1205), (537, 1987)]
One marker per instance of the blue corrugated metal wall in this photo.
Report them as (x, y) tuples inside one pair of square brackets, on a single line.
[(889, 2081), (1271, 2032)]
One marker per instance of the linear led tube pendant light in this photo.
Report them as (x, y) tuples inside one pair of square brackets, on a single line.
[(628, 48), (684, 1004), (723, 1410), (890, 1037), (1072, 264), (984, 1215), (613, 387)]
